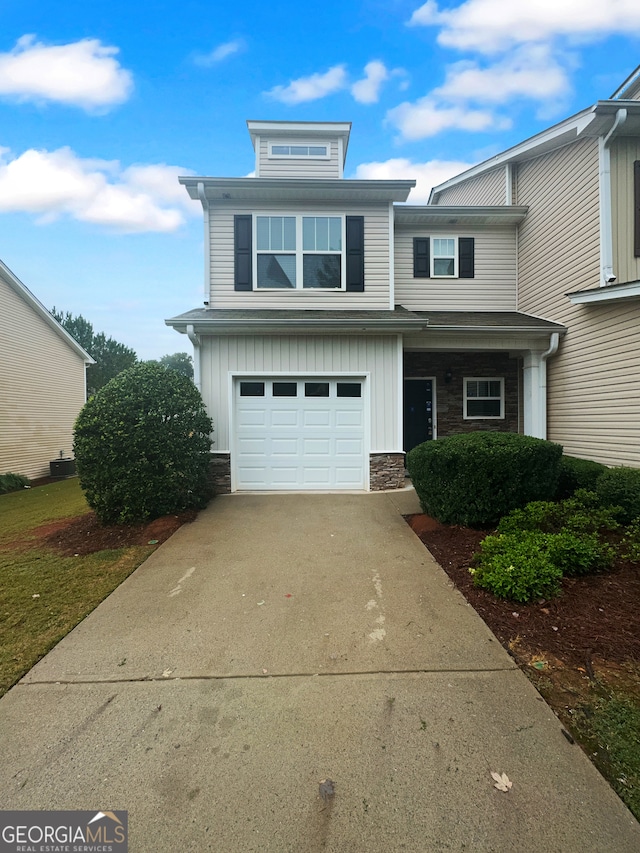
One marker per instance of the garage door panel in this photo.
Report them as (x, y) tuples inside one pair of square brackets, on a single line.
[(298, 442)]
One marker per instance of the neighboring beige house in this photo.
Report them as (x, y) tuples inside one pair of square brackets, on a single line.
[(342, 327), (579, 264), (42, 382)]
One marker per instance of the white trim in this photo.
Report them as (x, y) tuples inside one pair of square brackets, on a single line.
[(400, 398), (508, 183), (392, 258), (341, 157), (299, 252), (207, 243), (258, 143), (432, 255), (612, 293), (465, 398)]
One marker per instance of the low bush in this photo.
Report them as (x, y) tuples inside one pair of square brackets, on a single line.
[(517, 567), (581, 513), (621, 487), (576, 473), (10, 482), (579, 554), (142, 446), (630, 545), (475, 479)]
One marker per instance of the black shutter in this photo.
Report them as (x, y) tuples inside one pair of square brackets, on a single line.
[(421, 259), (636, 209), (355, 253), (466, 257), (243, 279)]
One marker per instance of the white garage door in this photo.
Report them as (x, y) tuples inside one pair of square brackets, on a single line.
[(299, 433)]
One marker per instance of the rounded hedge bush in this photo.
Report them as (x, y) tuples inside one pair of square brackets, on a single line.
[(576, 473), (475, 479), (142, 446)]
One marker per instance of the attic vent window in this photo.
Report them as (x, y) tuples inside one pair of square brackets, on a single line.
[(298, 151)]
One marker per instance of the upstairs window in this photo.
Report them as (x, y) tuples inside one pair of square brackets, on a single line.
[(483, 398), (299, 252), (443, 257), (299, 151)]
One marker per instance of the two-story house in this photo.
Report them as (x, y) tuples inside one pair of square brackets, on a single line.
[(341, 327), (579, 264)]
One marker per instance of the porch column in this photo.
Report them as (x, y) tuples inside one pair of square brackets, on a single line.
[(535, 394)]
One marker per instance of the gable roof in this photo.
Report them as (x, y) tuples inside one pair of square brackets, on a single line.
[(593, 121), (25, 294)]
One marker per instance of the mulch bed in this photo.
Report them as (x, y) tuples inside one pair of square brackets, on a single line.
[(595, 617), (85, 535)]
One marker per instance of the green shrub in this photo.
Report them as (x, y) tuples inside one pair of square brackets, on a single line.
[(10, 482), (576, 474), (630, 545), (142, 446), (537, 515), (580, 513), (517, 567), (475, 479), (621, 487), (578, 554)]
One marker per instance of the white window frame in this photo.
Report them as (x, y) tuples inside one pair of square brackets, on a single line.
[(465, 382), (300, 252), (433, 257), (298, 142)]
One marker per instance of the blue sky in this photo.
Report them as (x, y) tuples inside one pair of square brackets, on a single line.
[(103, 104)]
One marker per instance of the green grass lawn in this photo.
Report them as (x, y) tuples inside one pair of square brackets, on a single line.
[(43, 595)]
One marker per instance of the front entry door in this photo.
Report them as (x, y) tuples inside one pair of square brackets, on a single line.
[(418, 412)]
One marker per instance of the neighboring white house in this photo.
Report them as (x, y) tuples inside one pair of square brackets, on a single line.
[(42, 382), (342, 327)]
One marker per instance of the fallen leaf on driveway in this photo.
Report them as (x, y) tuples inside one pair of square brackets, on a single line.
[(502, 781)]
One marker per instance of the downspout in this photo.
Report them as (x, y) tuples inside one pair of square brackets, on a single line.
[(608, 275), (554, 342), (195, 340), (207, 243)]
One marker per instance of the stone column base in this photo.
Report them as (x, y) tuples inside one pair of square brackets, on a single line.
[(220, 473), (386, 471)]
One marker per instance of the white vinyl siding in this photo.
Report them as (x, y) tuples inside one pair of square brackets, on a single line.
[(305, 167), (340, 355), (376, 262), (489, 188), (42, 389), (624, 152), (493, 287)]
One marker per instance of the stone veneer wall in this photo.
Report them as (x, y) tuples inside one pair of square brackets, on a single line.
[(220, 473), (386, 471), (450, 397)]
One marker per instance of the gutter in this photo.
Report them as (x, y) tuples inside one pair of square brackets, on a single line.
[(608, 275), (554, 341), (195, 340), (207, 242)]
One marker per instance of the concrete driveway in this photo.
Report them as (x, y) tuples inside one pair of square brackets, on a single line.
[(280, 640)]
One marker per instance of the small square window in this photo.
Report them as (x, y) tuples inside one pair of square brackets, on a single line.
[(316, 389), (252, 389), (349, 389), (285, 389)]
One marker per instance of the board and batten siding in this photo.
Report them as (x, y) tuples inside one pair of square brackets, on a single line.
[(493, 287), (624, 152), (42, 389), (262, 355), (305, 167), (489, 188), (376, 262)]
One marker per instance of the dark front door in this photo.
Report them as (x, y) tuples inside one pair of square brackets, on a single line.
[(418, 412)]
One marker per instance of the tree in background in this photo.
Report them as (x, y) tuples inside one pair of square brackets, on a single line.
[(110, 356), (180, 361)]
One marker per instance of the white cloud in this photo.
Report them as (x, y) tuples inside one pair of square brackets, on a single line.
[(311, 88), (367, 90), (494, 25), (220, 53), (84, 74), (426, 175), (530, 71), (428, 117), (50, 184)]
